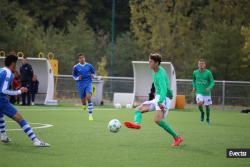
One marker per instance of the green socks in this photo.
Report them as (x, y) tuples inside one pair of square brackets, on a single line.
[(201, 109), (164, 125), (168, 128), (202, 113), (138, 117), (208, 112)]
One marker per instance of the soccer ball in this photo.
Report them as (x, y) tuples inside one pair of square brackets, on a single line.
[(114, 125)]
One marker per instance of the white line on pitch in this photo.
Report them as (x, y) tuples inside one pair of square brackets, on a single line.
[(42, 126), (98, 109)]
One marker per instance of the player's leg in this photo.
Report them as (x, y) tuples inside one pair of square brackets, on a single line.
[(28, 97), (159, 120), (207, 103), (33, 95), (200, 102), (84, 107), (89, 101), (139, 111), (82, 95), (12, 112), (90, 106), (145, 107), (208, 114), (3, 134)]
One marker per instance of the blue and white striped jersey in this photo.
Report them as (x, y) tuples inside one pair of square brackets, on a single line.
[(6, 78), (85, 71)]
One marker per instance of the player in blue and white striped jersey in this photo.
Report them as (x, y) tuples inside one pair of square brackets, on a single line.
[(6, 108), (83, 73)]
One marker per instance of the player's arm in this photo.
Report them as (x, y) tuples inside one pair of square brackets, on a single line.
[(194, 82), (211, 81), (31, 71), (7, 91), (169, 93), (163, 88), (75, 74), (92, 71)]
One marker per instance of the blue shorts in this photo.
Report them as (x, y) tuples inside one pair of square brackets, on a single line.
[(7, 108), (84, 90)]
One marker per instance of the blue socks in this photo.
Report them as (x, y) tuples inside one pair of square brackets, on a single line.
[(2, 124), (28, 130), (90, 108)]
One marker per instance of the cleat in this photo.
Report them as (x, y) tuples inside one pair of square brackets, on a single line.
[(132, 125), (40, 144), (5, 138), (177, 141), (208, 121), (91, 118), (84, 108)]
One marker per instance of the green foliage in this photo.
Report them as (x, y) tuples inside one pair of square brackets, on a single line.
[(127, 50), (222, 47), (18, 31), (79, 38), (101, 67), (245, 66), (183, 31)]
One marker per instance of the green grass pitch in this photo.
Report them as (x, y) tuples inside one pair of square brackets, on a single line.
[(77, 142)]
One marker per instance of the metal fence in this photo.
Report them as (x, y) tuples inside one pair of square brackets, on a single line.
[(225, 93)]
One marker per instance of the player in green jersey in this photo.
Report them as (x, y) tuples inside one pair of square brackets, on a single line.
[(161, 102), (203, 83)]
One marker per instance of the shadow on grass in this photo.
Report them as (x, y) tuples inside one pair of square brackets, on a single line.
[(195, 150), (12, 148)]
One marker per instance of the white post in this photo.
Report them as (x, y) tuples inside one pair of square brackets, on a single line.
[(223, 95)]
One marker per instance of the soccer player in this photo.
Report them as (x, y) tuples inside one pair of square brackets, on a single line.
[(83, 73), (161, 102), (203, 83), (6, 108)]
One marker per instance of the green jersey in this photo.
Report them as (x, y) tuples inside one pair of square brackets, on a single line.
[(161, 83), (202, 81)]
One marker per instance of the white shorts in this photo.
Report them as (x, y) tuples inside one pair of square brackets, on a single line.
[(206, 100), (153, 104)]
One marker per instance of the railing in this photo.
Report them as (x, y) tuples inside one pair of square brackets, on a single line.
[(225, 93)]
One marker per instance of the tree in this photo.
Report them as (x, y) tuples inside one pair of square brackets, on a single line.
[(184, 31), (101, 67), (221, 46), (169, 27), (127, 50), (222, 39), (19, 31), (78, 38)]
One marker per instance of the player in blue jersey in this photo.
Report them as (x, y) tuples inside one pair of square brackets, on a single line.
[(6, 108), (83, 73)]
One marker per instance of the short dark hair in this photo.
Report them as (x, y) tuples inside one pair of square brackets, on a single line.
[(156, 57), (202, 60), (80, 54), (11, 58)]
